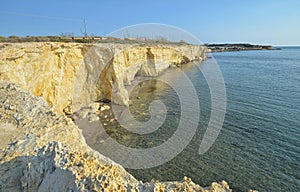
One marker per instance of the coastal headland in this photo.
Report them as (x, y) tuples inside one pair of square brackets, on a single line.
[(42, 149)]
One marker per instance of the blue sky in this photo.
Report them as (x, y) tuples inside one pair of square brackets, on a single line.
[(275, 22)]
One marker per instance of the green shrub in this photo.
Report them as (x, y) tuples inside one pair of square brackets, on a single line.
[(13, 37)]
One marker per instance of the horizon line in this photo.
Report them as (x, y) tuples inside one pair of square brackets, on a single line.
[(228, 42)]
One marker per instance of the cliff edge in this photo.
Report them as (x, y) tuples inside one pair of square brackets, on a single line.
[(56, 71)]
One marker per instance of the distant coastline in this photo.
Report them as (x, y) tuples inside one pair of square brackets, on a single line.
[(215, 47), (237, 47)]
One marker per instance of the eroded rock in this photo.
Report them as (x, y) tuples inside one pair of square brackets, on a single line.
[(81, 74), (49, 153)]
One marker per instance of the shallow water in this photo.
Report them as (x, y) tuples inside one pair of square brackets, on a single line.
[(258, 146)]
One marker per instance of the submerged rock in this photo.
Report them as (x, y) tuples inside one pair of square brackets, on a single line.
[(104, 107), (93, 117)]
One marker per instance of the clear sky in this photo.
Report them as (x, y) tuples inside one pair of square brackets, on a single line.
[(275, 22)]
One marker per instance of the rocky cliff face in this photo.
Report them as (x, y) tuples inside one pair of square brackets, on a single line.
[(56, 71), (46, 151), (41, 150)]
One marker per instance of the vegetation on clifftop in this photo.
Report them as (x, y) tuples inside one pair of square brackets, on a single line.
[(89, 39)]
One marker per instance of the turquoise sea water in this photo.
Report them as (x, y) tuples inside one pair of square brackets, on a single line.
[(259, 144)]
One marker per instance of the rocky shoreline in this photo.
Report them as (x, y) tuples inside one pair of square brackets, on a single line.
[(41, 149)]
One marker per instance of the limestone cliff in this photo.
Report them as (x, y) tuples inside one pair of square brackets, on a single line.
[(56, 71), (41, 150)]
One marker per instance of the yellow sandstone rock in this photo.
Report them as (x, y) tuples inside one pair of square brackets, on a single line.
[(61, 71), (41, 149)]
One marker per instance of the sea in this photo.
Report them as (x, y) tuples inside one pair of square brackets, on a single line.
[(258, 146)]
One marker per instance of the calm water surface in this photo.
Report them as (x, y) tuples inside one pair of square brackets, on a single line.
[(258, 147)]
